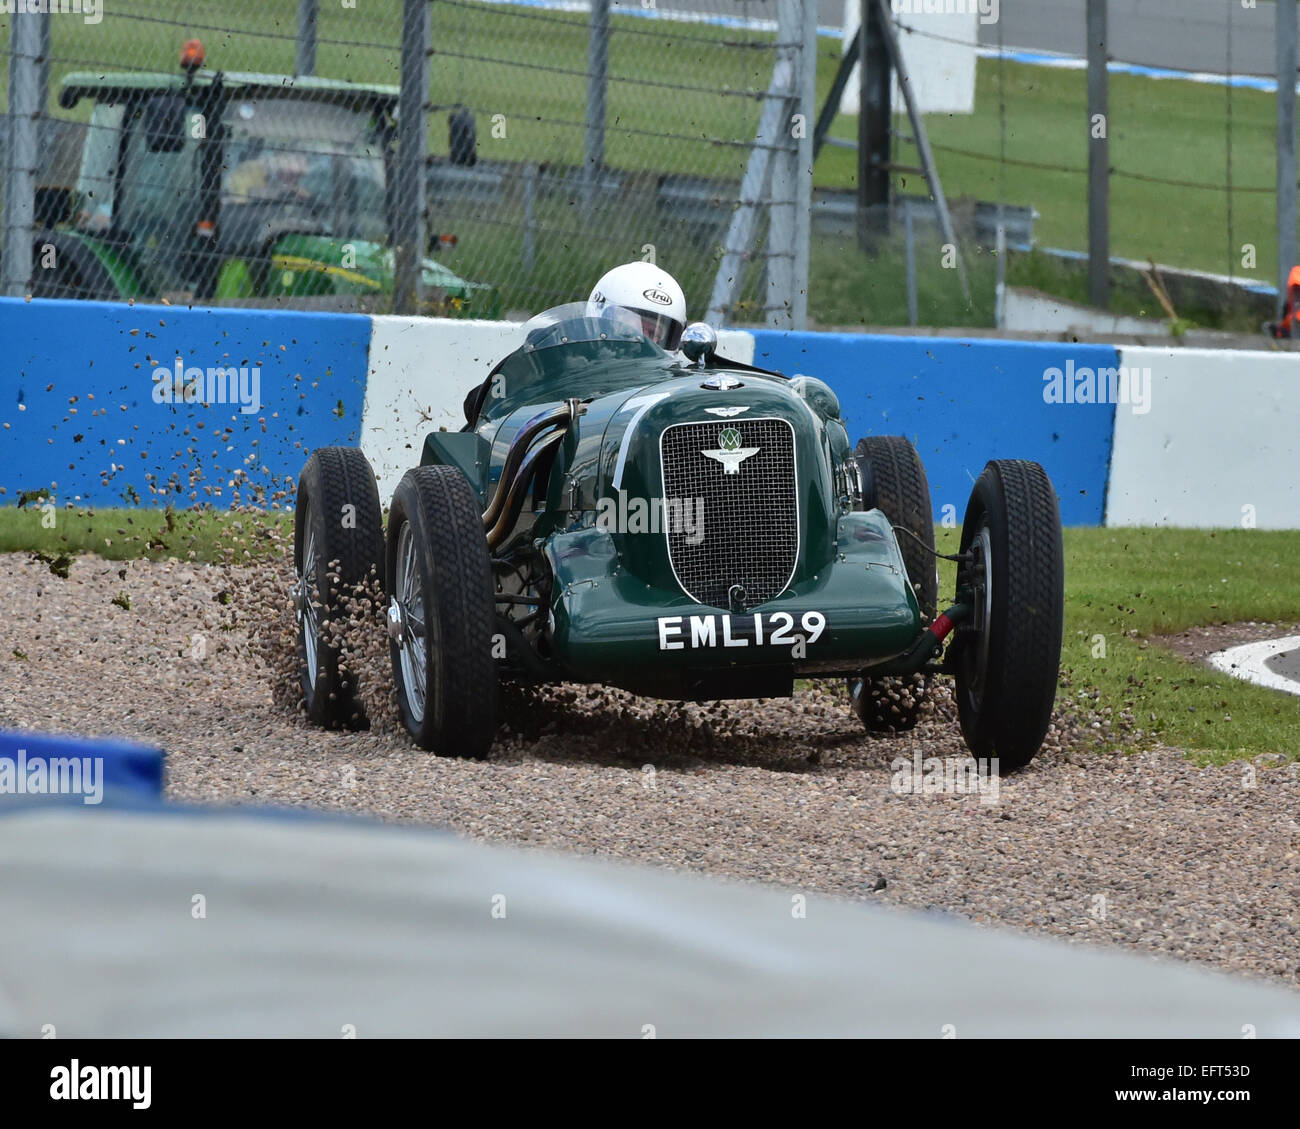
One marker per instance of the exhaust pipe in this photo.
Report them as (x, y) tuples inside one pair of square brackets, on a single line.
[(518, 490), (520, 464)]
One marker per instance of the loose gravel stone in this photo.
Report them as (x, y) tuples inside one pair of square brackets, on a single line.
[(1148, 851)]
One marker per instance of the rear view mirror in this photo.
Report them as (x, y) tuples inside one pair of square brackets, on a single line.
[(699, 342), (164, 123)]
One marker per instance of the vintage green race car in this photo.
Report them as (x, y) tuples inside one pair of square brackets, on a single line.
[(680, 526)]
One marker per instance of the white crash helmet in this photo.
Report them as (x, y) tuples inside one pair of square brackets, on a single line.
[(651, 292)]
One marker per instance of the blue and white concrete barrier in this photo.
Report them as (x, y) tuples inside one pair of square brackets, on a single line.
[(95, 413), (963, 403)]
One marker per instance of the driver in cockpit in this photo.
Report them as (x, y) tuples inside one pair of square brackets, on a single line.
[(648, 291), (651, 293)]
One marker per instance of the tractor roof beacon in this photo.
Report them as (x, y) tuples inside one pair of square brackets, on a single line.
[(214, 185), (683, 527)]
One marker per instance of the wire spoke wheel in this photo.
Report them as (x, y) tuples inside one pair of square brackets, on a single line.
[(980, 580), (338, 550), (412, 632), (305, 598), (893, 481), (441, 613)]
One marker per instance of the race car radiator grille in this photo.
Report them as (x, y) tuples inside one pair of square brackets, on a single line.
[(740, 478)]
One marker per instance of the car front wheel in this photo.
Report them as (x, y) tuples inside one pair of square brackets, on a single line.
[(1007, 659), (441, 613)]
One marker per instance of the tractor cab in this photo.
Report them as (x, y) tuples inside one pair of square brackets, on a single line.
[(239, 186)]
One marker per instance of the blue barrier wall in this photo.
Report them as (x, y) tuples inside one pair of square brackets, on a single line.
[(33, 765), (78, 414), (963, 402)]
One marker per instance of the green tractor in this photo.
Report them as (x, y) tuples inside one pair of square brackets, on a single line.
[(255, 188)]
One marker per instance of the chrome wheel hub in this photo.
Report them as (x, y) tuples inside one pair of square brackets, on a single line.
[(396, 623)]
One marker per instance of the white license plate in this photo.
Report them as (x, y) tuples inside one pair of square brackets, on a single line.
[(769, 629)]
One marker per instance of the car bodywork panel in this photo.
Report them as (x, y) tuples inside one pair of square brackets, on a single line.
[(615, 611)]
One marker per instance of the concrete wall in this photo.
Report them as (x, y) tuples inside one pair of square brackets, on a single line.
[(420, 371), (963, 403), (1219, 447), (1181, 437), (79, 414)]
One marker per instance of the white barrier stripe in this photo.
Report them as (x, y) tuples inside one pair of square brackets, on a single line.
[(1213, 447), (419, 371)]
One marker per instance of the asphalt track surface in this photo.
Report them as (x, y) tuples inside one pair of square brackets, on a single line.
[(1287, 665), (1274, 663), (1212, 36)]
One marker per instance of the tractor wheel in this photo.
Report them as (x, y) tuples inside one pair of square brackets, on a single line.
[(63, 268)]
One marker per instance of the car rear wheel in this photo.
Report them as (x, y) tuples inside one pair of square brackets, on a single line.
[(1007, 659), (337, 554), (894, 482), (441, 613)]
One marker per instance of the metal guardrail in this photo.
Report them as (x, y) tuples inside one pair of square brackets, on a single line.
[(704, 203)]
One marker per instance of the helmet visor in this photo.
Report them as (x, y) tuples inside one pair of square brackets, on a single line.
[(664, 331)]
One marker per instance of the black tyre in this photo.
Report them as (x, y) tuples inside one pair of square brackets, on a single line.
[(1008, 659), (441, 613), (64, 268), (893, 481), (338, 547)]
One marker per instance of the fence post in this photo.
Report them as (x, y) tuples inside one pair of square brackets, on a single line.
[(1285, 34), (43, 55), (305, 58), (781, 217), (773, 124), (1000, 286), (805, 159), (412, 145), (913, 315), (1098, 158), (875, 125), (597, 86), (528, 253), (26, 82)]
